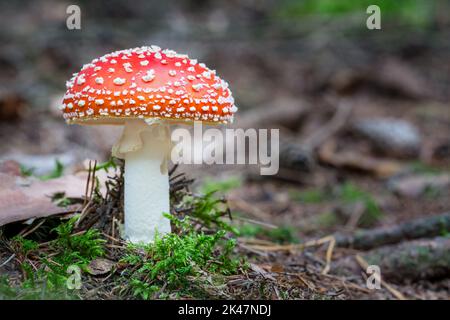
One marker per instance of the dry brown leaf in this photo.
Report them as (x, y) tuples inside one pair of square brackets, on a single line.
[(100, 266), (23, 198)]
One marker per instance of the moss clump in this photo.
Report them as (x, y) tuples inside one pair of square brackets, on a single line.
[(178, 262), (283, 234), (45, 267)]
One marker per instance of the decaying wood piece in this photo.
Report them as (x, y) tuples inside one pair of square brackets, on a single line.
[(415, 229), (365, 265), (423, 259), (414, 260)]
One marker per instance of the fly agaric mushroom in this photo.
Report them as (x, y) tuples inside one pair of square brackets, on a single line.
[(144, 89)]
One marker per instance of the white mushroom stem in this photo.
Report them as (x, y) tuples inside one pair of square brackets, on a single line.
[(145, 148)]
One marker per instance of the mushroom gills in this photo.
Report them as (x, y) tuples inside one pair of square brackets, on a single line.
[(144, 148)]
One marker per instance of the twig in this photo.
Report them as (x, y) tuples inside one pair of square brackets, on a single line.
[(244, 206), (24, 233), (261, 223), (418, 228), (290, 247), (364, 265), (8, 260), (112, 238), (86, 210), (329, 254), (86, 191), (94, 171), (250, 249)]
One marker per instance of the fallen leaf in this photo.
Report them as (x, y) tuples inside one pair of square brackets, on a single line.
[(100, 266), (25, 198)]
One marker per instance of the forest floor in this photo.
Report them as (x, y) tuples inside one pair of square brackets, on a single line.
[(364, 174)]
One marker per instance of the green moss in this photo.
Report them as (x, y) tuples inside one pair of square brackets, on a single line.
[(200, 253), (413, 12), (310, 196), (80, 248), (209, 211), (423, 168), (283, 234), (220, 186), (327, 219), (23, 246), (350, 193), (178, 262), (47, 277)]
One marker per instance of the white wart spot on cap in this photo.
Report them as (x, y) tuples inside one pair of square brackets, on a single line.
[(119, 81), (81, 80), (149, 76), (127, 67)]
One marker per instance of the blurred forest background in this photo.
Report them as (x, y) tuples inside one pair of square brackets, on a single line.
[(364, 117)]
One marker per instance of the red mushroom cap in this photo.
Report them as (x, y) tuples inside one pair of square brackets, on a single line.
[(146, 82)]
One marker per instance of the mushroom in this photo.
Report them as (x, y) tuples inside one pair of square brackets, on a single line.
[(145, 89)]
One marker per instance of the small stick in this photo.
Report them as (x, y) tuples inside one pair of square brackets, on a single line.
[(261, 223), (87, 209), (93, 179), (112, 238), (364, 265), (290, 247), (24, 233), (173, 169), (8, 260), (87, 185)]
